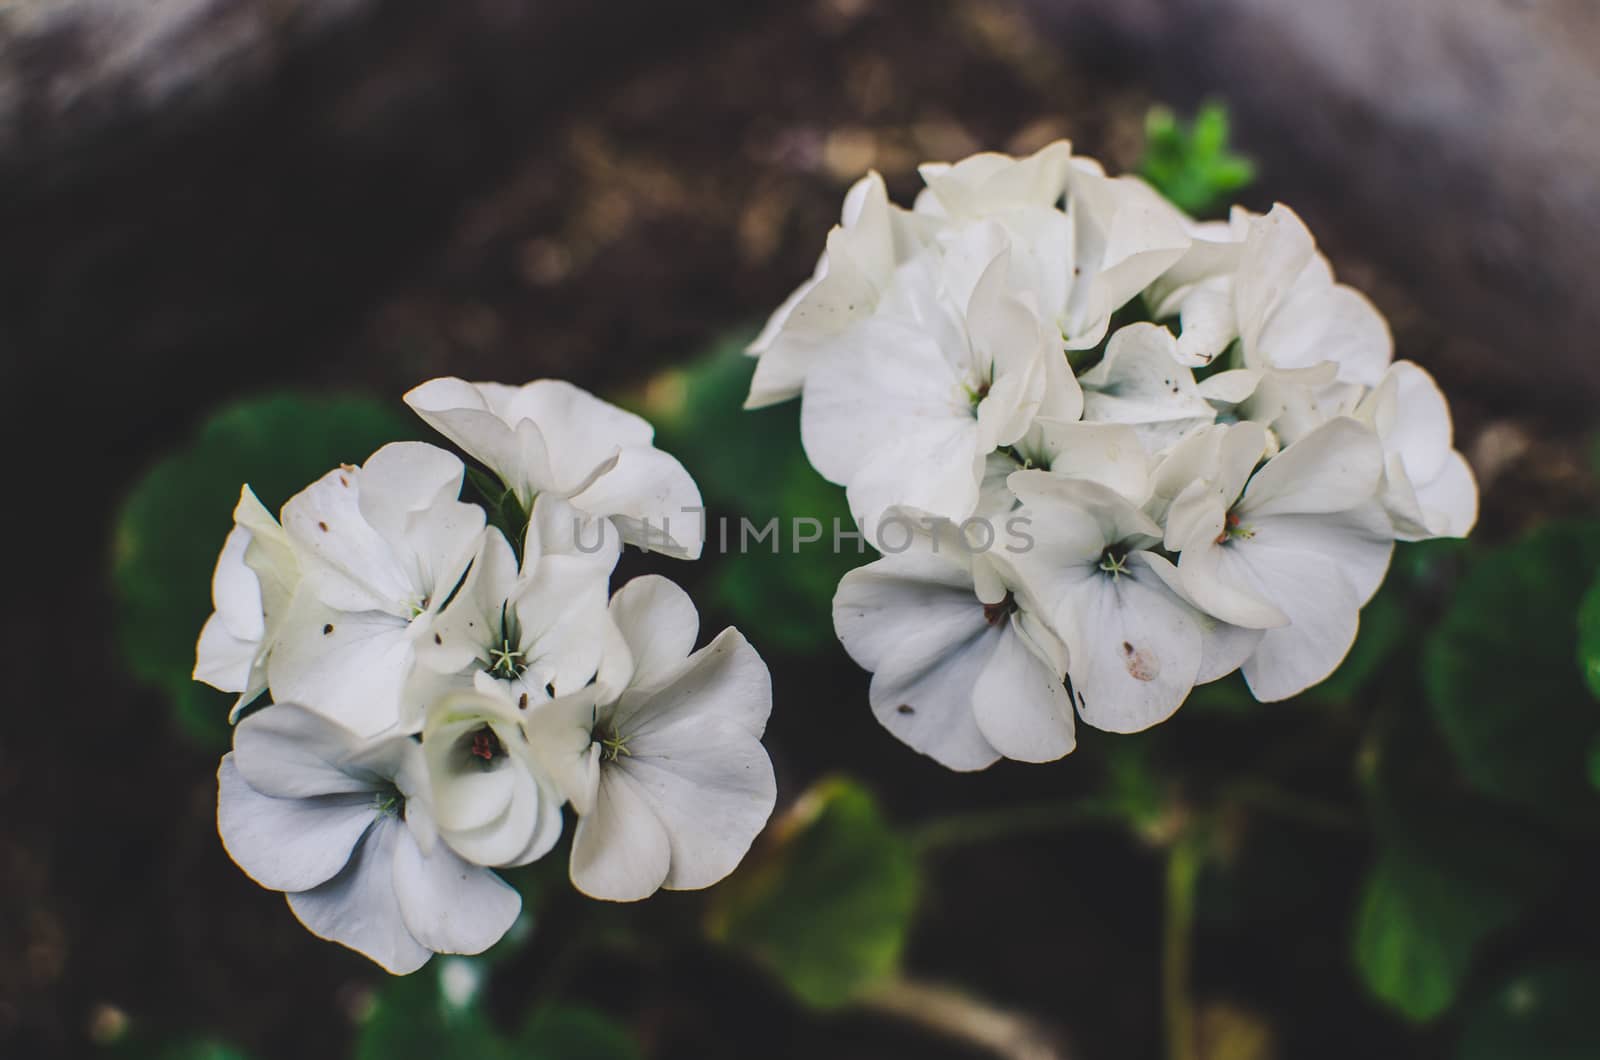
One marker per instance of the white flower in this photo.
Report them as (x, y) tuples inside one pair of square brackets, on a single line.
[(526, 632), (961, 677), (911, 403), (873, 238), (1291, 313), (255, 580), (1297, 552), (550, 437), (342, 824), (669, 779), (1083, 263), (1135, 646), (1428, 488), (491, 801), (382, 547)]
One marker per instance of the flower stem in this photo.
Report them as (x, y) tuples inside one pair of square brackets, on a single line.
[(1183, 870)]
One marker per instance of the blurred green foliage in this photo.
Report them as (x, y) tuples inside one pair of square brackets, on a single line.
[(174, 520), (1499, 673), (1442, 885), (829, 901), (750, 465), (1543, 1014), (430, 1016), (1191, 163), (1589, 637)]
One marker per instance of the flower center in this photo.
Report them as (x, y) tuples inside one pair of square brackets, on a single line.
[(506, 659), (484, 744), (1234, 529), (1114, 561), (389, 801), (994, 614), (612, 744)]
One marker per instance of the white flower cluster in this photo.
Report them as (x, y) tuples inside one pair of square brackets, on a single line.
[(1197, 433), (439, 692)]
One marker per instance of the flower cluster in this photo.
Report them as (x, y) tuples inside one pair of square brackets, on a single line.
[(1200, 429), (443, 682)]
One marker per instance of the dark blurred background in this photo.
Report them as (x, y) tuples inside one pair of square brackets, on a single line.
[(206, 199)]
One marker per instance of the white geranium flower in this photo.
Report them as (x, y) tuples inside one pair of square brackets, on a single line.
[(1291, 313), (963, 672), (342, 825), (1141, 383), (382, 547), (669, 778), (550, 437), (873, 238), (491, 800), (1428, 489), (1298, 552), (908, 407), (255, 580), (1135, 646), (527, 632)]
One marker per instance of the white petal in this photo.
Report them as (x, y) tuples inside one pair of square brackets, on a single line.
[(358, 908), (348, 564), (450, 905), (1223, 646), (653, 501), (711, 785), (1311, 574), (725, 679), (289, 752), (351, 667), (581, 432), (561, 738), (659, 623), (923, 692), (1020, 704), (1135, 649), (887, 383), (222, 660), (1450, 501), (462, 413), (620, 851), (1334, 468), (235, 589), (288, 844)]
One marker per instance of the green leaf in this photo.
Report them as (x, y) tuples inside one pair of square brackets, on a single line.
[(1192, 166), (1499, 676), (829, 902), (1544, 1014), (1589, 637), (173, 523), (1451, 873), (568, 1032)]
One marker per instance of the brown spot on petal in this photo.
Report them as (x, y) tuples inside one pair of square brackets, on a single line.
[(322, 526), (327, 629), (522, 701), (438, 639), (1142, 666), (905, 708)]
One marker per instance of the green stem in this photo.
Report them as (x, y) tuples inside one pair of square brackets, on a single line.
[(986, 826), (1183, 870)]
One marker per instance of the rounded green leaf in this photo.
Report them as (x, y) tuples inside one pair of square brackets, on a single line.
[(828, 904), (1499, 676), (173, 522)]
